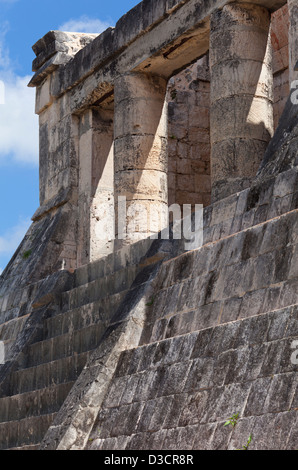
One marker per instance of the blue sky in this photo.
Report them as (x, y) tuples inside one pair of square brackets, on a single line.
[(22, 23)]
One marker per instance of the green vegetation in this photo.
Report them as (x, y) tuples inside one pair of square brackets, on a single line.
[(246, 446), (232, 421), (149, 304), (26, 254)]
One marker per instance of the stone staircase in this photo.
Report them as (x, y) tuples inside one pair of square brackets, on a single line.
[(10, 330), (177, 393), (216, 339), (47, 369)]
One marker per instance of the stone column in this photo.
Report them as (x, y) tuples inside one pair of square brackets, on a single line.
[(96, 185), (59, 153), (140, 155), (241, 95), (293, 40)]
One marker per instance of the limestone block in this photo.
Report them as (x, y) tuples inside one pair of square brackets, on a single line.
[(140, 147), (189, 144), (237, 157), (43, 96), (241, 95), (96, 184), (85, 150), (245, 117), (142, 184), (149, 111), (102, 232), (58, 41), (236, 38), (145, 87), (150, 153), (51, 115), (240, 79)]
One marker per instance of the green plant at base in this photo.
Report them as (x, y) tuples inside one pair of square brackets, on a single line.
[(233, 420), (149, 304), (246, 446), (26, 254)]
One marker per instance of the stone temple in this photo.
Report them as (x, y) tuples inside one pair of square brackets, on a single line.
[(116, 337)]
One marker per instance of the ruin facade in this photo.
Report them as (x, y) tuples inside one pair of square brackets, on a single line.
[(116, 337)]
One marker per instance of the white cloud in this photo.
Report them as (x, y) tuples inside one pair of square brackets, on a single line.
[(11, 239), (84, 24), (18, 122)]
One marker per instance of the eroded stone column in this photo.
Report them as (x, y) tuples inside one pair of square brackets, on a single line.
[(241, 95), (96, 185), (293, 39), (59, 153), (140, 155)]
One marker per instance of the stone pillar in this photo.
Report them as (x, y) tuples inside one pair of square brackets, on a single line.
[(96, 185), (293, 40), (140, 155), (241, 95), (59, 153), (58, 127)]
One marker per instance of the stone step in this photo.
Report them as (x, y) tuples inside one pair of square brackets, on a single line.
[(9, 332), (99, 289), (83, 316), (24, 433), (35, 403), (246, 274), (42, 376), (11, 299), (9, 315), (11, 329), (72, 343), (7, 347), (251, 207), (33, 447), (202, 378), (112, 263)]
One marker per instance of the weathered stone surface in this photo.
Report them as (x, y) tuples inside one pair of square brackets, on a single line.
[(241, 95), (281, 154), (142, 178), (189, 179), (163, 21), (205, 400), (89, 391), (58, 41), (281, 50), (155, 346)]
